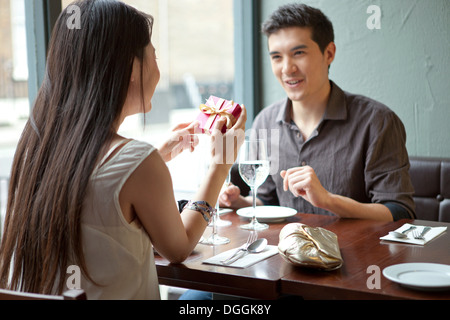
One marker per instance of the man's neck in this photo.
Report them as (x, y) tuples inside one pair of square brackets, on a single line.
[(308, 114)]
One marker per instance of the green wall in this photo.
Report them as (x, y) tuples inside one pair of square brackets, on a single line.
[(405, 64)]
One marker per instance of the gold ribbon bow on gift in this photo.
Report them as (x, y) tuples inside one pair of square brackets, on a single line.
[(214, 110)]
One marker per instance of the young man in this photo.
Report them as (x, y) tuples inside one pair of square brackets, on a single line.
[(334, 153)]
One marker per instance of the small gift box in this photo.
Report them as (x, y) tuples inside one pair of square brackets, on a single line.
[(214, 109)]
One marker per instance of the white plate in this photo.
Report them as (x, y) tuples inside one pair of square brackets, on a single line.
[(420, 276), (223, 211), (268, 213)]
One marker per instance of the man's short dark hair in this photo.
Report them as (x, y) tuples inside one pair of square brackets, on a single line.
[(301, 15)]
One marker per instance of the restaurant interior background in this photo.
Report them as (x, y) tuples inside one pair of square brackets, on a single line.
[(214, 47)]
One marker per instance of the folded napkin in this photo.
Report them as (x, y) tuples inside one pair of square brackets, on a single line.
[(430, 235), (247, 260)]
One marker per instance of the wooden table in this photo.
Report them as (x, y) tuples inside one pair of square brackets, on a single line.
[(360, 248), (261, 281)]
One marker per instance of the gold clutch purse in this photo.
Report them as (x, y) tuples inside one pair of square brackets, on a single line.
[(310, 247)]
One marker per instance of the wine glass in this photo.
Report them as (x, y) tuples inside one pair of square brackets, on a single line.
[(214, 239), (254, 169), (220, 222)]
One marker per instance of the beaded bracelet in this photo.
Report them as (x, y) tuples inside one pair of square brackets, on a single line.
[(203, 207)]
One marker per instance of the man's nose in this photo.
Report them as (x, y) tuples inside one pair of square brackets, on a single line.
[(289, 67)]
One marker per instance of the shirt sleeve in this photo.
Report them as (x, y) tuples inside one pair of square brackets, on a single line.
[(387, 164), (267, 193), (398, 212)]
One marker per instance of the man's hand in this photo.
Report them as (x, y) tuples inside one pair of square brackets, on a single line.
[(303, 182), (229, 196)]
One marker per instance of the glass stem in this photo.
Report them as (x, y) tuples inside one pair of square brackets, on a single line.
[(254, 189), (214, 221)]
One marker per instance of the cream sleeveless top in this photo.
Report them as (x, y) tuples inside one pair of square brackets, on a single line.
[(119, 256)]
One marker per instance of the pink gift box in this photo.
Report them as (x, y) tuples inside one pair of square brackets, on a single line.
[(215, 108)]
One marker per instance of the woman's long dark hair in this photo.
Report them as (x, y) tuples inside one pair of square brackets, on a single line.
[(73, 120)]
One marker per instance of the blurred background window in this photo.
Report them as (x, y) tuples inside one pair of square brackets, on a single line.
[(14, 105)]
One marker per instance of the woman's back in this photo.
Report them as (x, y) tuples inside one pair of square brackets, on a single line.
[(119, 255)]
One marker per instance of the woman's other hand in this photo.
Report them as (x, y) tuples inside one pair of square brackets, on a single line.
[(183, 138)]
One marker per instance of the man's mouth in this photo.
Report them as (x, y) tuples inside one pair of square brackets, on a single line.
[(293, 82)]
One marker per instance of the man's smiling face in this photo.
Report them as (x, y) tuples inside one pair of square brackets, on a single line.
[(299, 64)]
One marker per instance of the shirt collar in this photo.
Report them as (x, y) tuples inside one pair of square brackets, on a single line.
[(284, 113), (337, 105), (336, 108)]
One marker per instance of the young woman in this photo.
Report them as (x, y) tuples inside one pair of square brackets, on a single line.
[(82, 195)]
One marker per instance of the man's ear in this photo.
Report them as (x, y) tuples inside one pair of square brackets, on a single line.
[(330, 53)]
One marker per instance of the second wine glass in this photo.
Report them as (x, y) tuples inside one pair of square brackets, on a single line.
[(254, 169), (214, 239), (220, 222)]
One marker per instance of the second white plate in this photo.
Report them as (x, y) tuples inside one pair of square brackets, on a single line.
[(267, 213), (420, 276)]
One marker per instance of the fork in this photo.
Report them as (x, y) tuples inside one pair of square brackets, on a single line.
[(420, 236), (251, 238)]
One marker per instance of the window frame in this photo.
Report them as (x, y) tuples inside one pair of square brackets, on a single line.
[(40, 17), (247, 84)]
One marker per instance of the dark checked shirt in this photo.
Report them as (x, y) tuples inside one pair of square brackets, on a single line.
[(358, 151)]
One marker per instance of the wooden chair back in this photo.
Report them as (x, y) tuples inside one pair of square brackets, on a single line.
[(68, 295)]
